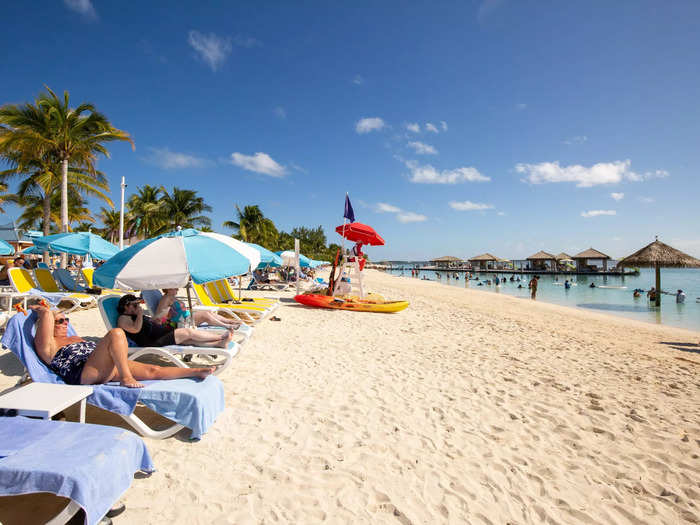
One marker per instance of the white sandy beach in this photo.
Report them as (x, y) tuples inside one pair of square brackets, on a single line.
[(468, 407)]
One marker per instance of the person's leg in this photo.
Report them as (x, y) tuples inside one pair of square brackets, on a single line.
[(145, 372), (212, 319), (109, 361), (185, 336)]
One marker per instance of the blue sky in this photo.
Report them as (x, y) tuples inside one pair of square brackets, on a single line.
[(456, 127)]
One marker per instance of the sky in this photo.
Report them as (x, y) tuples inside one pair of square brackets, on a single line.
[(456, 127)]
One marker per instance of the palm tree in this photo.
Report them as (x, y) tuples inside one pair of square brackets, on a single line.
[(146, 209), (32, 216), (110, 219), (5, 197), (254, 227), (51, 128), (183, 208)]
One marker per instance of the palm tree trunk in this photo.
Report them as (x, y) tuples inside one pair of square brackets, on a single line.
[(64, 205), (47, 221)]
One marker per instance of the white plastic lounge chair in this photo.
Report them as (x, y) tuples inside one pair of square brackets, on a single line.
[(153, 297), (222, 292), (248, 314), (171, 353), (90, 465), (49, 284), (256, 284), (188, 403)]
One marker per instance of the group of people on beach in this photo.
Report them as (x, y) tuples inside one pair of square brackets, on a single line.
[(79, 361)]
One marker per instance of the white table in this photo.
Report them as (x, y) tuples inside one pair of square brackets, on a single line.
[(45, 400)]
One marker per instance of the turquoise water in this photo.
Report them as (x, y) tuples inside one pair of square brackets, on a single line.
[(606, 300)]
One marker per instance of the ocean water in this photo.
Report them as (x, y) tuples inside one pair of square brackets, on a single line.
[(615, 300)]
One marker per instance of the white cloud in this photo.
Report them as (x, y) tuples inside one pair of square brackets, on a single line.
[(401, 215), (646, 200), (409, 216), (383, 207), (172, 160), (617, 196), (584, 177), (280, 112), (579, 139), (211, 48), (84, 7), (427, 174), (413, 126), (429, 126), (443, 125), (365, 125), (259, 163), (470, 206), (358, 80), (501, 213), (422, 149), (596, 213)]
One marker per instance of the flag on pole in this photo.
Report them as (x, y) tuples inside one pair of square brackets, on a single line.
[(349, 214)]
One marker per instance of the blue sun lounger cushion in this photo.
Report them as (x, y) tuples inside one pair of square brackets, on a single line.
[(193, 403), (92, 465)]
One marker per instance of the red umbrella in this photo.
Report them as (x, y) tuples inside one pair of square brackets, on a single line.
[(358, 232)]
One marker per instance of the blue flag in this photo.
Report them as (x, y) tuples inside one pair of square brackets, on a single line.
[(349, 213)]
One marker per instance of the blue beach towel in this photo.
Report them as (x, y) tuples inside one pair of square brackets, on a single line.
[(193, 403), (91, 464)]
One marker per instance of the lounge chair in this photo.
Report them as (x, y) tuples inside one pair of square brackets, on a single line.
[(64, 278), (171, 353), (190, 403), (153, 297), (87, 273), (248, 314), (23, 284), (256, 284), (49, 284), (91, 465), (222, 292)]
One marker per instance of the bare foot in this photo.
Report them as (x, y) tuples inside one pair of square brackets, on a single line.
[(130, 382), (225, 340), (201, 373)]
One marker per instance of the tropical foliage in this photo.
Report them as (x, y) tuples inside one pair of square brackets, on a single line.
[(252, 226)]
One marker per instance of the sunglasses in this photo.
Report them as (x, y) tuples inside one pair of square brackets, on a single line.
[(62, 320)]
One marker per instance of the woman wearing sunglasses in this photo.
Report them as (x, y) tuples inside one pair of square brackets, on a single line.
[(78, 361)]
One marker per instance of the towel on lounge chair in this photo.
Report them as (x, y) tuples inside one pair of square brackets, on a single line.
[(92, 465), (190, 402)]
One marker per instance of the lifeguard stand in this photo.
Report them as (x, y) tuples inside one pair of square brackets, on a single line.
[(351, 270)]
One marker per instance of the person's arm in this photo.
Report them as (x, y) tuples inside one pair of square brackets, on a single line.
[(163, 306), (129, 325), (44, 342)]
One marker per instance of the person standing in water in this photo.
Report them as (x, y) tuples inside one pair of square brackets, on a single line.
[(532, 285)]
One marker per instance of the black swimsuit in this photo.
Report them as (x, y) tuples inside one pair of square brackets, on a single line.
[(152, 334), (69, 361)]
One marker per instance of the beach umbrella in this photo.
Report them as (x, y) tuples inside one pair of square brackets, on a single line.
[(6, 248), (358, 232), (658, 255), (77, 243), (35, 250), (267, 257), (288, 256), (172, 259)]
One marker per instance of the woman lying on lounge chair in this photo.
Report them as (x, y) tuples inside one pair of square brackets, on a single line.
[(144, 332), (78, 361), (169, 307)]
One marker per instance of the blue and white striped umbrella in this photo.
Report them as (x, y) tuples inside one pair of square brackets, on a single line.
[(171, 259), (267, 258), (288, 259)]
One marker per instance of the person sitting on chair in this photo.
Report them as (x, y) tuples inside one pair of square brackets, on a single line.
[(168, 311), (81, 362), (144, 332)]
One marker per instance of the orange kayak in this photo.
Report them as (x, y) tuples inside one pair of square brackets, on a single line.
[(358, 305)]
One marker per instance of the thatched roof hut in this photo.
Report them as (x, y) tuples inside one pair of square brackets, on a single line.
[(539, 260), (591, 253), (483, 260), (563, 256), (657, 255), (446, 261)]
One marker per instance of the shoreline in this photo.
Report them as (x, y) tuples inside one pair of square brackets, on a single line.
[(461, 408)]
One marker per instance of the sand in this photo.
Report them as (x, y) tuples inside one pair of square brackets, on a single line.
[(468, 407)]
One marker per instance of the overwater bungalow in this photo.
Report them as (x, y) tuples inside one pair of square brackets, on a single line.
[(542, 261), (591, 260), (446, 262), (565, 262), (485, 261)]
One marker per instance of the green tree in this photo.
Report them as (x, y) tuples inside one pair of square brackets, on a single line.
[(50, 128), (183, 208), (32, 216), (5, 196), (146, 208), (253, 226), (110, 221)]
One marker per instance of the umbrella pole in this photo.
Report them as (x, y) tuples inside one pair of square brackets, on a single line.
[(658, 285), (189, 301)]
